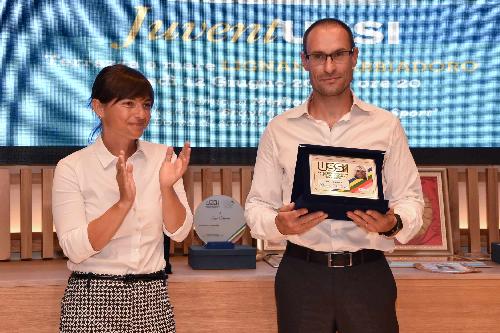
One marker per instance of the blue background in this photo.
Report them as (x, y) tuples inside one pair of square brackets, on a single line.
[(52, 50)]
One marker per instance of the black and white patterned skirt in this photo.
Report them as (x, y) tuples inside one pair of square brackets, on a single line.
[(94, 303)]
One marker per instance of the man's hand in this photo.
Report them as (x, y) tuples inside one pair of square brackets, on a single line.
[(292, 221), (373, 221)]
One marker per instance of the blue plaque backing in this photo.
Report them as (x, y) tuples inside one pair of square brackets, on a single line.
[(241, 257)]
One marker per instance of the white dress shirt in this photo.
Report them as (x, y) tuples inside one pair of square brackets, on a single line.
[(365, 126), (85, 187)]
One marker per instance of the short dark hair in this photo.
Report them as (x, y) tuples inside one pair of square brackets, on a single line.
[(327, 21), (117, 82)]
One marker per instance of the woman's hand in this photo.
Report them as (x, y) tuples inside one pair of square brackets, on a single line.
[(125, 180), (103, 228), (171, 172)]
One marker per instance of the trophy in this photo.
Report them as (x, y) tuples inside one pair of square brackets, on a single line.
[(336, 180), (219, 222)]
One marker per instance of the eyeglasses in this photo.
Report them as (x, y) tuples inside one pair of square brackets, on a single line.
[(339, 57)]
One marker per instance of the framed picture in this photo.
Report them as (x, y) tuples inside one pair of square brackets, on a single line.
[(434, 238), (336, 180), (274, 245)]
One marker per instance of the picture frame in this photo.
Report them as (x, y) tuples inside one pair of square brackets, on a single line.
[(326, 179), (435, 237)]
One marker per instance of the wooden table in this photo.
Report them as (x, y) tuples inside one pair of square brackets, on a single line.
[(243, 300)]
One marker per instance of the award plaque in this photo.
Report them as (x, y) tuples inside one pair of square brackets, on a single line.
[(219, 219), (219, 222), (336, 180)]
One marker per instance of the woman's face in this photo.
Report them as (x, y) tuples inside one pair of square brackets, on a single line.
[(126, 118)]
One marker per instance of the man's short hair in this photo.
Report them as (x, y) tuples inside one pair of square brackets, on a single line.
[(327, 21)]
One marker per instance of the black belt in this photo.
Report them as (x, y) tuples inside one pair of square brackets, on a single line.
[(160, 275), (333, 259)]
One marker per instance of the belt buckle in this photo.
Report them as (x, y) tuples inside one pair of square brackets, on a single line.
[(331, 256)]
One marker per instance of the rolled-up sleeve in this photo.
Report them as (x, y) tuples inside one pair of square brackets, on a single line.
[(69, 215), (180, 234), (265, 196), (403, 186)]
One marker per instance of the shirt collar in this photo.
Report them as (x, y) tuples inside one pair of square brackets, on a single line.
[(357, 104), (299, 111), (106, 158), (360, 105)]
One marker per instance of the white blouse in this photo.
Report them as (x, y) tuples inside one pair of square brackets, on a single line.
[(85, 187)]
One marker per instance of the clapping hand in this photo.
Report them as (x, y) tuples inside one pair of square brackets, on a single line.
[(125, 180), (171, 172)]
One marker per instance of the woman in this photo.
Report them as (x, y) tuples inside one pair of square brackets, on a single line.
[(111, 202)]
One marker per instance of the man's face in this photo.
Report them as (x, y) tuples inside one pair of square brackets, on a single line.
[(331, 78), (360, 174)]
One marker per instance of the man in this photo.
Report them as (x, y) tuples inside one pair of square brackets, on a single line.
[(360, 172), (359, 293)]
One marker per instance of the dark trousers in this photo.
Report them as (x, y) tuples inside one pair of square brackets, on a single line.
[(313, 298)]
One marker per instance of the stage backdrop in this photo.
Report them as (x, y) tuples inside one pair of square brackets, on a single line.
[(222, 69)]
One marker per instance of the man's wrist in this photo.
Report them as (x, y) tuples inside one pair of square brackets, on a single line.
[(395, 229)]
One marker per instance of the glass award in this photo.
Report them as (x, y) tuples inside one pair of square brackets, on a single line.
[(336, 180), (219, 220)]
